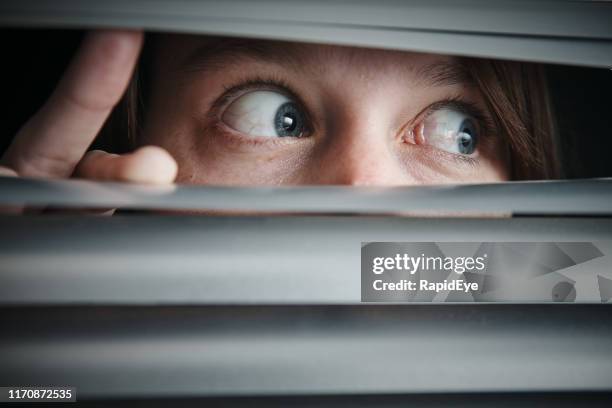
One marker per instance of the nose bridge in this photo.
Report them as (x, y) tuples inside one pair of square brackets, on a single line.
[(362, 155), (358, 146)]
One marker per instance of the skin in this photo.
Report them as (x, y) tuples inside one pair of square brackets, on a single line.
[(361, 102)]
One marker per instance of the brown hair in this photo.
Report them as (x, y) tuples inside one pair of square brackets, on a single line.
[(516, 94)]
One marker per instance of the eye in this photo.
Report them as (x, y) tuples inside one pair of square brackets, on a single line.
[(448, 130), (265, 114)]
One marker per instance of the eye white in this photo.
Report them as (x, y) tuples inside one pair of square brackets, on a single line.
[(444, 130), (254, 113)]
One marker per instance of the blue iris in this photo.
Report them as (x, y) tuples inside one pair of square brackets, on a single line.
[(467, 137), (289, 120)]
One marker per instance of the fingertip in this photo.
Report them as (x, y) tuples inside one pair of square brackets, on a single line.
[(120, 46), (150, 165), (116, 40), (101, 70), (7, 172)]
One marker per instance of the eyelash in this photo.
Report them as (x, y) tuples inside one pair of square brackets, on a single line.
[(456, 102)]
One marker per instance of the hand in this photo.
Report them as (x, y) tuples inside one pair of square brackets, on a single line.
[(54, 142)]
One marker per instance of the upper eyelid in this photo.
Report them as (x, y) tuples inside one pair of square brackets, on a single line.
[(456, 103), (232, 92)]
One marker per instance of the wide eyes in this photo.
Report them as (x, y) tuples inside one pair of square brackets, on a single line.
[(265, 114), (447, 129)]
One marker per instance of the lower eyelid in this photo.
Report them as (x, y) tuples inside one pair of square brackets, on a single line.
[(469, 160), (456, 158), (235, 138)]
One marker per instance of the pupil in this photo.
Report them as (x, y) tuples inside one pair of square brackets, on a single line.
[(288, 123)]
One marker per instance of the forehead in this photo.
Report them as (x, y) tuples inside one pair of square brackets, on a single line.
[(201, 53)]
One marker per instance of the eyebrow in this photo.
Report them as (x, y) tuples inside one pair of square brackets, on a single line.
[(219, 53), (444, 73)]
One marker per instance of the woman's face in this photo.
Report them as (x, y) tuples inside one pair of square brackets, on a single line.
[(247, 112)]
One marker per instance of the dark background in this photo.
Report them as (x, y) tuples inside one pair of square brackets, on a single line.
[(33, 61)]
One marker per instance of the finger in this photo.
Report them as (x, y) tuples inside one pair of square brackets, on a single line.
[(147, 165), (53, 141)]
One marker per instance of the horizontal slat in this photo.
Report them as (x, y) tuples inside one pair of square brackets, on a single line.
[(429, 400), (578, 197), (232, 260), (547, 31), (559, 18), (207, 351)]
